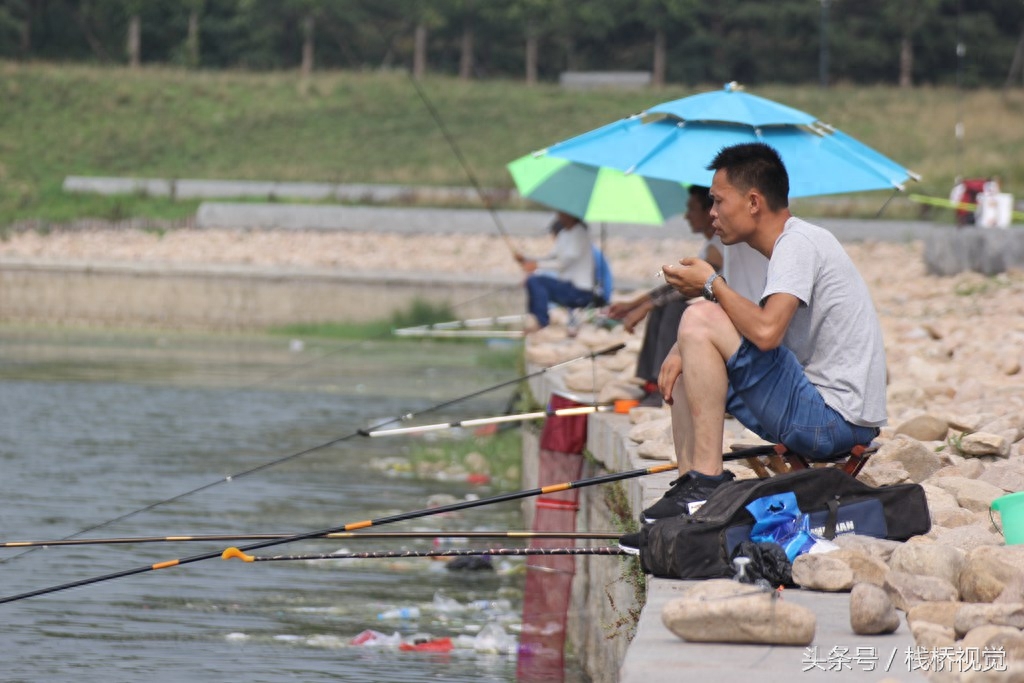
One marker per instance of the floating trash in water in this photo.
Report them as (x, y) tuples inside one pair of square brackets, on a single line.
[(400, 613), (432, 645), (326, 641), (371, 638), (442, 603), (236, 636), (493, 638)]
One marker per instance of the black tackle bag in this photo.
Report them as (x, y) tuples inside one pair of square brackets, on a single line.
[(699, 546)]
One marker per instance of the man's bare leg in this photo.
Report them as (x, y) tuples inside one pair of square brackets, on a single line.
[(707, 338), (682, 429)]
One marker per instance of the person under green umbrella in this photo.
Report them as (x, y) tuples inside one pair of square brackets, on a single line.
[(565, 276)]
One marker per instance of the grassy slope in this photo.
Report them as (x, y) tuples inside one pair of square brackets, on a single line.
[(372, 127)]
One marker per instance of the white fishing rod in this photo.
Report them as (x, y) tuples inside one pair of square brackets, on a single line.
[(619, 406)]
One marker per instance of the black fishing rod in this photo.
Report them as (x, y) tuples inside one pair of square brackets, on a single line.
[(332, 442), (349, 535), (233, 552)]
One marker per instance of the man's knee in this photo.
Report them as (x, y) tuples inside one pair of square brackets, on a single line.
[(700, 320)]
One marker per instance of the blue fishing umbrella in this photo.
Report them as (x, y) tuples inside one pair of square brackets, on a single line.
[(676, 140)]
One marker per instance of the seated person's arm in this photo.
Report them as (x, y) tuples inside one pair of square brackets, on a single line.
[(764, 326)]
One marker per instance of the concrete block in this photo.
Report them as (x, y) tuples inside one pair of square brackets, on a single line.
[(948, 251)]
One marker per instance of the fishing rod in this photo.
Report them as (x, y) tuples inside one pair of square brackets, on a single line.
[(586, 535), (619, 406), (273, 463), (497, 552), (229, 553)]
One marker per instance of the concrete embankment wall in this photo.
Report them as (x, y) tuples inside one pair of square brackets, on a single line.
[(604, 602), (232, 298)]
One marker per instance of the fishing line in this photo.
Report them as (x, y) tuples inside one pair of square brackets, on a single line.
[(347, 535), (332, 442), (462, 162), (232, 552), (497, 552)]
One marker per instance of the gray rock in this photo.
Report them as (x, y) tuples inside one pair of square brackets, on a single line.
[(970, 422), (987, 570), (1008, 475), (929, 559), (908, 454), (972, 615), (932, 636), (906, 590), (984, 443), (871, 610), (1012, 422), (924, 428), (866, 568), (821, 572), (973, 494), (988, 635), (967, 537), (1013, 590), (656, 450), (879, 548), (724, 611), (942, 613), (938, 497), (948, 517), (652, 430), (883, 474)]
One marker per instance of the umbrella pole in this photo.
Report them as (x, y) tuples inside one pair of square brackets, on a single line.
[(886, 203)]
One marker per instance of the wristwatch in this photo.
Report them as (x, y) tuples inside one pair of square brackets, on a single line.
[(708, 292)]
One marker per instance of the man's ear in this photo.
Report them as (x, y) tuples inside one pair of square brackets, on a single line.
[(755, 202)]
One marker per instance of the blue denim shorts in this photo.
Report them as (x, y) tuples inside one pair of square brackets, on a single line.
[(770, 394)]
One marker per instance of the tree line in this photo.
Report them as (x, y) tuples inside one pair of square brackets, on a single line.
[(907, 42)]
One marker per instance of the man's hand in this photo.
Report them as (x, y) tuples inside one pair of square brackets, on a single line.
[(630, 312), (633, 318), (689, 276), (621, 309), (669, 373), (528, 265)]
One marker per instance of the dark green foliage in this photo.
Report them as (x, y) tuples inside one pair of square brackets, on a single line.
[(753, 41)]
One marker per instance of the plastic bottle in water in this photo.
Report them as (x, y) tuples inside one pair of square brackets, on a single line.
[(400, 613)]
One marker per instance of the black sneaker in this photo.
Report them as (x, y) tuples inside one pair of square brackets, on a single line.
[(630, 543), (686, 495)]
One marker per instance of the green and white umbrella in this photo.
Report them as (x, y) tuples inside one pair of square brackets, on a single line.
[(597, 194)]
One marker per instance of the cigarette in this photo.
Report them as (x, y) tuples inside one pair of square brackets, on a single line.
[(659, 274)]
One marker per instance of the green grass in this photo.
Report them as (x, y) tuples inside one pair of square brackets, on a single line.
[(419, 312), (59, 120)]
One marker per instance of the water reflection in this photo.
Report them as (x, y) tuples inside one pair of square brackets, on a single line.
[(95, 426)]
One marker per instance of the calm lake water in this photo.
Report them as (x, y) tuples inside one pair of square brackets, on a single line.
[(94, 426)]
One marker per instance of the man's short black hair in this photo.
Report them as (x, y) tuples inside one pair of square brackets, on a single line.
[(755, 165), (702, 193)]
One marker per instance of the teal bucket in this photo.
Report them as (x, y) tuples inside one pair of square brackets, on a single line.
[(1011, 510)]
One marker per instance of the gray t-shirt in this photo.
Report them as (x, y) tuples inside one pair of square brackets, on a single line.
[(835, 333)]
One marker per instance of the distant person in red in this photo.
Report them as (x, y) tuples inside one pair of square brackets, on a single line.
[(966, 192)]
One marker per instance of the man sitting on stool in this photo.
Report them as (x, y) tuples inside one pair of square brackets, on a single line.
[(804, 367), (565, 276)]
